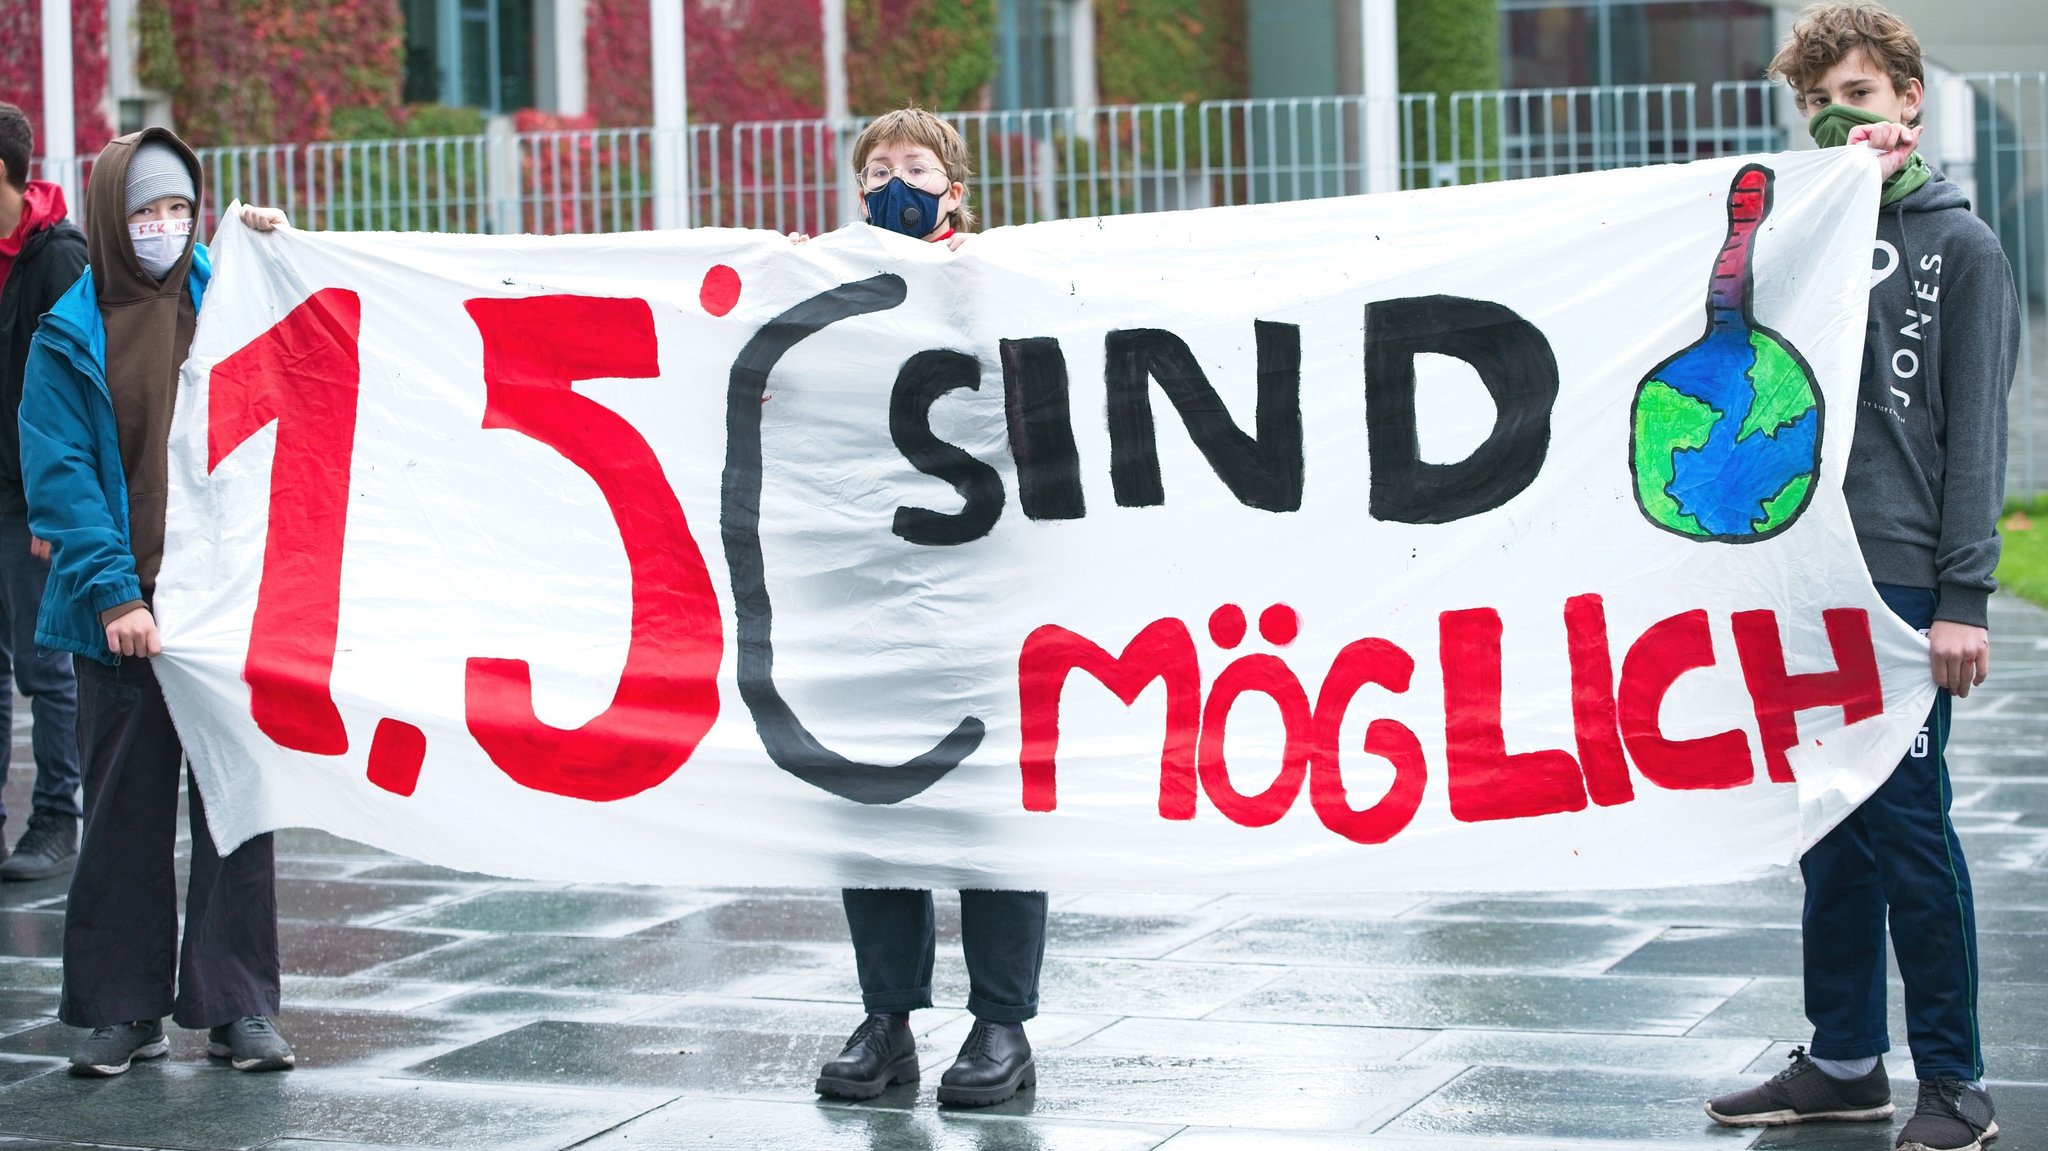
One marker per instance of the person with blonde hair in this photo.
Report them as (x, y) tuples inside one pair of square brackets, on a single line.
[(913, 171)]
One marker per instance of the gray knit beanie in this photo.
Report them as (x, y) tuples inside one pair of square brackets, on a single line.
[(158, 170)]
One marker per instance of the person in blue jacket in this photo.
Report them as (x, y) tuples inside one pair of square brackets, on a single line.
[(95, 417)]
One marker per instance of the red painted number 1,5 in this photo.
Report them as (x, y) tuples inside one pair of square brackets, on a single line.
[(304, 373)]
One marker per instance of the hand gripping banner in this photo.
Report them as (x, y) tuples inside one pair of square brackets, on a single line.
[(1479, 538)]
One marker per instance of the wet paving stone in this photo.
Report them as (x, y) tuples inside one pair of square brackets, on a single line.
[(1129, 987), (38, 894), (1214, 1139), (14, 1069), (1453, 944), (2007, 1064), (1308, 1044), (619, 1056), (696, 1123), (175, 1105), (939, 1039), (307, 841), (32, 974), (374, 1039), (333, 949), (2008, 1014), (1075, 984), (784, 919), (372, 994), (2002, 956), (403, 870), (1772, 1009), (348, 901), (1211, 1087), (520, 1007), (566, 912), (1568, 1103), (794, 1017), (1535, 906), (1735, 951), (303, 867), (582, 964), (1128, 936), (21, 1010), (1610, 1003), (33, 934), (1639, 1053)]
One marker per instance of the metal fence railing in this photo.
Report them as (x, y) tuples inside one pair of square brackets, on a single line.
[(796, 175), (1998, 151)]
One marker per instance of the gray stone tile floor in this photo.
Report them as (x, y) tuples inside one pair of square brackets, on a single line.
[(436, 1009)]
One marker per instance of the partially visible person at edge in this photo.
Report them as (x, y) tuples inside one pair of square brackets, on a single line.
[(913, 172), (1925, 486), (95, 421), (41, 255)]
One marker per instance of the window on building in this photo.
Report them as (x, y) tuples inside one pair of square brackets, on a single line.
[(478, 53), (1034, 53), (1566, 43)]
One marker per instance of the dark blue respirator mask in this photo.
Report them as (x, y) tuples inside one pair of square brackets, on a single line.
[(903, 209)]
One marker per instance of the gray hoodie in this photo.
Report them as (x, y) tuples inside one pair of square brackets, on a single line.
[(1926, 478)]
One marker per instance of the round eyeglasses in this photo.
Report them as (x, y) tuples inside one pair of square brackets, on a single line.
[(917, 174)]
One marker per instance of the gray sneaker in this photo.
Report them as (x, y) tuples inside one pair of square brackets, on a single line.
[(47, 849), (1950, 1116), (250, 1044), (109, 1050), (1803, 1093)]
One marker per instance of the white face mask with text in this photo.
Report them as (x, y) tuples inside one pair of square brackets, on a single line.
[(159, 243)]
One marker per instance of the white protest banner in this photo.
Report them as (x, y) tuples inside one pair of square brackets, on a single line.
[(1485, 537)]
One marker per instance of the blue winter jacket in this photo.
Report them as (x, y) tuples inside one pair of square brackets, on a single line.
[(71, 469)]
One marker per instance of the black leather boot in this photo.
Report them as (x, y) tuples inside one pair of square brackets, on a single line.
[(878, 1055), (994, 1064)]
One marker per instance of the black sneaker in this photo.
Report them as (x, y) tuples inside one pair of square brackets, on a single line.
[(109, 1050), (250, 1044), (47, 849), (1803, 1093), (1950, 1116)]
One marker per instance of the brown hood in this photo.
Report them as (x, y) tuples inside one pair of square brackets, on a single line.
[(149, 331), (117, 274)]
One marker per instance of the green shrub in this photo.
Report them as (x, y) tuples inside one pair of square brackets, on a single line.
[(1170, 51), (2023, 565)]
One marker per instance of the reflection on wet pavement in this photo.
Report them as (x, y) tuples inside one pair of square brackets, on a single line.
[(438, 1009)]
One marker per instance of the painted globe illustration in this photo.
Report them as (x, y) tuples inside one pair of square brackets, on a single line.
[(1724, 438)]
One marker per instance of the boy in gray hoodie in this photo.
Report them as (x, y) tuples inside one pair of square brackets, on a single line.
[(1925, 486)]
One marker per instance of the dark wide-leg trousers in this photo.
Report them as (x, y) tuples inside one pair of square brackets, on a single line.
[(895, 937), (122, 960), (1896, 861), (43, 676)]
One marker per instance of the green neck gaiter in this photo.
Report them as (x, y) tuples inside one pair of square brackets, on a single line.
[(1830, 129)]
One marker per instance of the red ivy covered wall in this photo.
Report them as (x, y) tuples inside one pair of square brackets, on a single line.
[(747, 60), (764, 59), (21, 67), (259, 71)]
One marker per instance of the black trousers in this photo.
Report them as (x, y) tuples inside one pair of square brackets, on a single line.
[(894, 937), (121, 954)]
